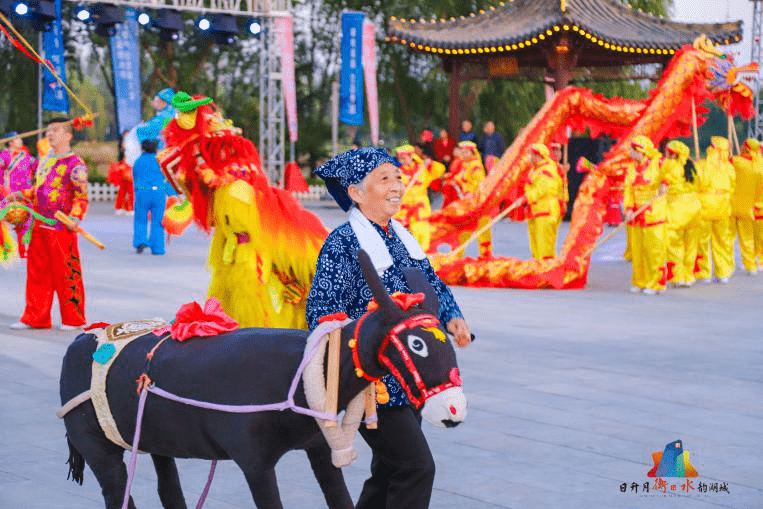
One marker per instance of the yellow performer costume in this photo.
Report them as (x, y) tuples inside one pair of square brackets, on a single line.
[(414, 207), (467, 180), (747, 192), (683, 206), (716, 185), (642, 186), (265, 246), (758, 206), (543, 192)]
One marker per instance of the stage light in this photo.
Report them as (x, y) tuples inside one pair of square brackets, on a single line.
[(254, 27), (42, 13), (107, 17), (224, 28), (83, 13), (169, 23), (203, 23), (144, 19)]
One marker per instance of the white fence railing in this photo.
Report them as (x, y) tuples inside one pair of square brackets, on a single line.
[(101, 192), (108, 192), (315, 193)]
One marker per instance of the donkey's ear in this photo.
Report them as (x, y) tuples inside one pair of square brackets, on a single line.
[(417, 282), (388, 308)]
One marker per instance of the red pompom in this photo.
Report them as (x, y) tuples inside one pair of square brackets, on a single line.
[(333, 317)]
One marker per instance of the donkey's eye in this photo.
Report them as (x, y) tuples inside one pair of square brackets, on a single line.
[(417, 346)]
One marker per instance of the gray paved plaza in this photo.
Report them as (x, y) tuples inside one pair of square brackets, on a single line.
[(570, 392)]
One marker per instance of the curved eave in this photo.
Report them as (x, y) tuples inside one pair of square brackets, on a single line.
[(442, 37)]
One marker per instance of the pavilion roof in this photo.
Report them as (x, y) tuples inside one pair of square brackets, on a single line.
[(519, 24)]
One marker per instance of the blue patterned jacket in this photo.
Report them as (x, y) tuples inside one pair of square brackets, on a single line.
[(339, 286)]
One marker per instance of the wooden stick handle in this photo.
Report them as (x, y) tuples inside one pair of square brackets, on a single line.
[(694, 128), (36, 131), (619, 228), (67, 221), (332, 376), (371, 405), (497, 218)]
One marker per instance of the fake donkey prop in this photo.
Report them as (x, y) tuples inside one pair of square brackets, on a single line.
[(255, 366)]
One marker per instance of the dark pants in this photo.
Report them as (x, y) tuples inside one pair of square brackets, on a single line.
[(402, 468)]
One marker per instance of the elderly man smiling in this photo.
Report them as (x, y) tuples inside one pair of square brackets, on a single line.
[(367, 182)]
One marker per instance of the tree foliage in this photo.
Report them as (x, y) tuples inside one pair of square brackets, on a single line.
[(413, 89)]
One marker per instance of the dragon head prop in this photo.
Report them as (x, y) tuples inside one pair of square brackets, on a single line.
[(203, 152), (725, 80)]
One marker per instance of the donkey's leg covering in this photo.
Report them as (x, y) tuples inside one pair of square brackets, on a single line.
[(103, 457), (329, 477), (264, 488), (168, 481)]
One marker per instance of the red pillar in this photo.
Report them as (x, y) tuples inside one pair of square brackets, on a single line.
[(454, 91)]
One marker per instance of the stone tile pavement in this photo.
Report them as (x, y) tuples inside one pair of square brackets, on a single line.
[(569, 392)]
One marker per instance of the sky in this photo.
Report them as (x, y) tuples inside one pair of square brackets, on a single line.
[(714, 11)]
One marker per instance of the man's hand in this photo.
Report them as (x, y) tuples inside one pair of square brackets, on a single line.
[(460, 331), (74, 224)]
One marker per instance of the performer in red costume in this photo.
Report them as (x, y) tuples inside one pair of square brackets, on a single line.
[(54, 264), (120, 175)]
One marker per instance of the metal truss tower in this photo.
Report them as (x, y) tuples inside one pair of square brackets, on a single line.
[(755, 129), (252, 8), (272, 116), (272, 112)]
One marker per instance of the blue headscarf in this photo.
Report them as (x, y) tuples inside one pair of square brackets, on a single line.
[(11, 134), (350, 168)]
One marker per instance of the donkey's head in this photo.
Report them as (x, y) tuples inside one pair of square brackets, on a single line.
[(402, 336)]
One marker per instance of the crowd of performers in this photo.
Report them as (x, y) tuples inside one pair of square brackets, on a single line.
[(684, 216), (56, 182), (545, 190)]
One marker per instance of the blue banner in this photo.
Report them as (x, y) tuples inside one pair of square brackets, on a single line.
[(351, 85), (125, 66), (54, 96)]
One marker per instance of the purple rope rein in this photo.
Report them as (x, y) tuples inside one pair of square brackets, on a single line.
[(289, 404)]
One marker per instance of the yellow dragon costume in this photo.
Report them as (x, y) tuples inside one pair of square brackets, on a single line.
[(265, 245)]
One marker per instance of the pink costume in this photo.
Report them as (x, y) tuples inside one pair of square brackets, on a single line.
[(16, 174)]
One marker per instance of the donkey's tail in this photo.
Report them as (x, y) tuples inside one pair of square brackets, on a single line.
[(76, 463)]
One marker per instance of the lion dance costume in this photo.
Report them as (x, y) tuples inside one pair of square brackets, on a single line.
[(265, 246)]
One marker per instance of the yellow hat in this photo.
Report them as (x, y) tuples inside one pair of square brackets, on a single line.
[(719, 142), (751, 145), (643, 144), (678, 148), (404, 150), (468, 145), (541, 150)]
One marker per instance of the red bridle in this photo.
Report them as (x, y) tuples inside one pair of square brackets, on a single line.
[(422, 320)]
